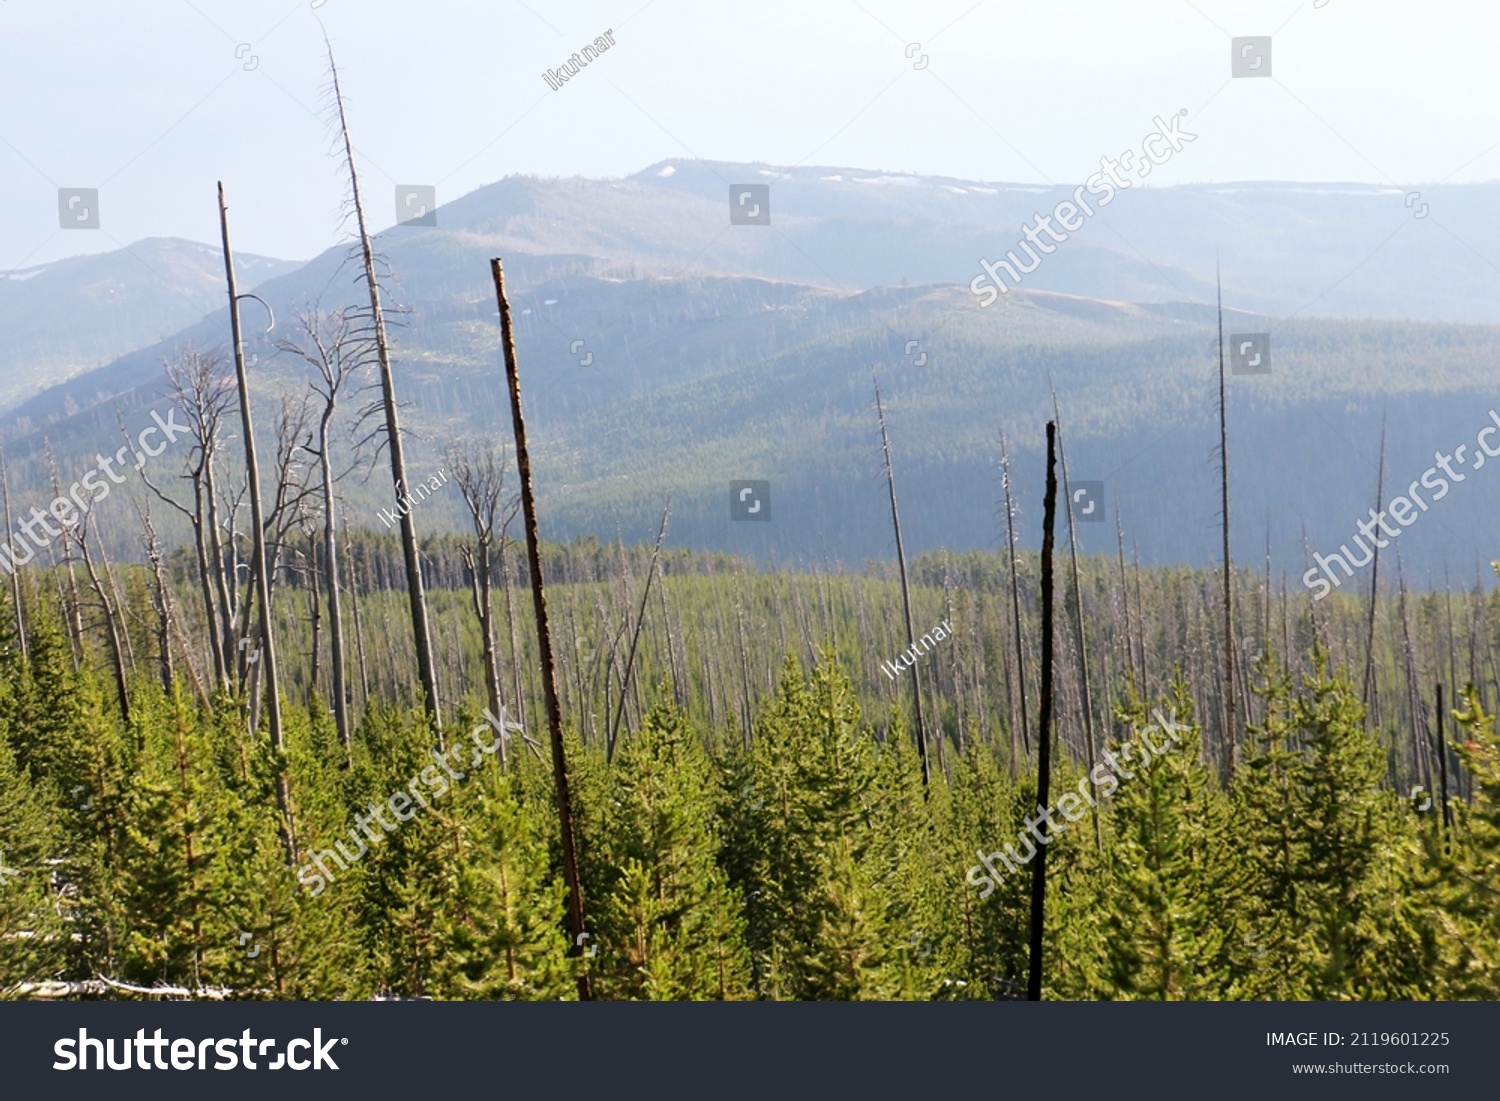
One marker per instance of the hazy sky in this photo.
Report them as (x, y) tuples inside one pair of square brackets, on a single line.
[(152, 101)]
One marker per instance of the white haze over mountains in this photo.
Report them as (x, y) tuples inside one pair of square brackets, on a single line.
[(153, 108)]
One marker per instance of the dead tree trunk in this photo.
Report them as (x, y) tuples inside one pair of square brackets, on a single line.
[(315, 613), (1230, 741), (640, 620), (481, 482), (1374, 580), (1044, 725), (75, 609), (1125, 599), (1015, 590), (359, 627), (577, 930), (15, 566), (1083, 654), (106, 605), (1442, 741), (920, 733), (333, 352), (267, 647), (161, 599), (421, 634)]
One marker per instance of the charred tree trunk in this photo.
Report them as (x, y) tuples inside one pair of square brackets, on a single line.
[(577, 930), (1044, 726)]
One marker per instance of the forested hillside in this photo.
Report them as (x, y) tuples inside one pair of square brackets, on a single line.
[(750, 812)]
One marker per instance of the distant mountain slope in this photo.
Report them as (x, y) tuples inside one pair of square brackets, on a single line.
[(664, 350), (67, 317), (1351, 250)]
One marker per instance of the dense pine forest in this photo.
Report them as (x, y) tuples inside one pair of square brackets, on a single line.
[(282, 750), (750, 814)]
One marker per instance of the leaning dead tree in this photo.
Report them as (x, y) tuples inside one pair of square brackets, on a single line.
[(266, 650), (113, 629), (920, 733), (421, 634), (1015, 591), (577, 930), (640, 621)]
